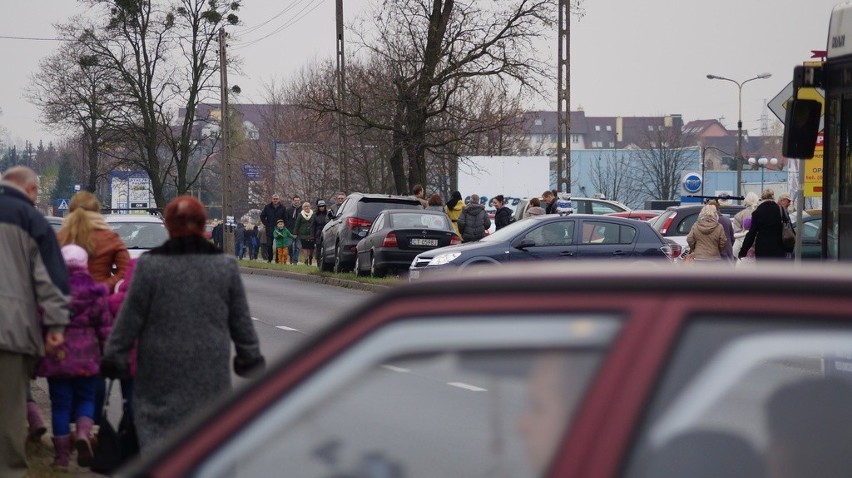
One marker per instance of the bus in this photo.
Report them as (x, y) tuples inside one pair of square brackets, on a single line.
[(801, 131)]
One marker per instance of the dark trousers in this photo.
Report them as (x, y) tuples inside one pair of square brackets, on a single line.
[(269, 249)]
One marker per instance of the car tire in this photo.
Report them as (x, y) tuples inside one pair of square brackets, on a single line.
[(357, 269), (339, 267), (376, 271), (322, 263)]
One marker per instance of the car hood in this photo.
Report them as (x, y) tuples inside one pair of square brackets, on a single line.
[(467, 246)]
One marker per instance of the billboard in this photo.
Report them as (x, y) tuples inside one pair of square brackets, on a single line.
[(131, 190)]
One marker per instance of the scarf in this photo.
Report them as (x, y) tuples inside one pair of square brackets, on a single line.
[(308, 215)]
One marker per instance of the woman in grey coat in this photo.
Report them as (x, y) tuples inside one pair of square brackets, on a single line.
[(186, 302)]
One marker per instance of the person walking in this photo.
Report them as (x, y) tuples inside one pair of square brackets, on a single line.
[(282, 237), (293, 211), (338, 201), (252, 241), (185, 303), (454, 209), (503, 216), (269, 216), (317, 225), (742, 221), (304, 230), (218, 234), (435, 203), (263, 246), (34, 279), (725, 222), (706, 239), (72, 369), (473, 221), (767, 222), (239, 240), (534, 208), (85, 226)]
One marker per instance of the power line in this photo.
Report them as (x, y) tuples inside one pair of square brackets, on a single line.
[(296, 18), (282, 12), (11, 37)]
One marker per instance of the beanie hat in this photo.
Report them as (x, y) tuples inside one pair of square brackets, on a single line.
[(320, 203), (75, 256)]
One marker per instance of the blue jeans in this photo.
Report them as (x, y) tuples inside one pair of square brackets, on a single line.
[(70, 398), (253, 243), (295, 249), (238, 249)]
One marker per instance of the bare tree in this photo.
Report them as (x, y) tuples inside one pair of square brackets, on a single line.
[(664, 155), (612, 176)]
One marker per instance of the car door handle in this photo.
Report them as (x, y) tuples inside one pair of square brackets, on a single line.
[(618, 253), (566, 253)]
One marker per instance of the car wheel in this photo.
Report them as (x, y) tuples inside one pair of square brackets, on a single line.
[(322, 263), (339, 268), (376, 271)]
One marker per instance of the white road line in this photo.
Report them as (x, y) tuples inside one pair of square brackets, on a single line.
[(396, 369), (472, 388), (288, 329), (254, 318)]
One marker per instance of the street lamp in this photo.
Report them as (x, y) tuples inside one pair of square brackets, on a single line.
[(739, 157), (762, 163)]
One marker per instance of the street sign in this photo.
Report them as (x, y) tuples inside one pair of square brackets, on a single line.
[(778, 104), (692, 183), (62, 204), (251, 171), (135, 205)]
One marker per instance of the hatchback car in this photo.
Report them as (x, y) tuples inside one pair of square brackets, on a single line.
[(398, 235), (341, 234), (676, 221), (140, 232), (593, 372), (550, 237)]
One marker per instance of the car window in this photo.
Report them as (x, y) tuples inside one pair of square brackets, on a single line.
[(596, 232), (752, 398), (416, 220), (378, 224), (686, 224), (660, 220), (445, 397), (370, 209), (599, 207), (811, 229), (558, 233), (141, 235)]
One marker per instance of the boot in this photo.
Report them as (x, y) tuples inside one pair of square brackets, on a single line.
[(37, 428), (83, 441), (62, 452)]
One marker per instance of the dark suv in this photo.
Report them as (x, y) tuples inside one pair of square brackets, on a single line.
[(354, 218)]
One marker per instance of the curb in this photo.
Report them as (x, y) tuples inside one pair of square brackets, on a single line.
[(332, 281)]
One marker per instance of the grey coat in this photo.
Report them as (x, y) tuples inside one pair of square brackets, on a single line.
[(185, 304)]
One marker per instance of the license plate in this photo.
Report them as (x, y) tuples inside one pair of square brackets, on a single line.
[(424, 242)]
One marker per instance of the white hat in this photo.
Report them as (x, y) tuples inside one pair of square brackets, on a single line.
[(75, 256)]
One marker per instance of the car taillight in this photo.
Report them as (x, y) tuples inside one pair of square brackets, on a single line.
[(455, 240), (672, 251), (390, 240), (668, 223), (354, 222)]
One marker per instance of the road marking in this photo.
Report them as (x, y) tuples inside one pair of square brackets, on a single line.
[(254, 318), (288, 329), (472, 388), (396, 369)]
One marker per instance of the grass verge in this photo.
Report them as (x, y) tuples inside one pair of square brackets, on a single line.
[(389, 280)]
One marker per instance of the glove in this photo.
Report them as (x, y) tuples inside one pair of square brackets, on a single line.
[(115, 369), (249, 367)]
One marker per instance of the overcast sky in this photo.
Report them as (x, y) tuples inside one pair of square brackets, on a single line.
[(628, 57)]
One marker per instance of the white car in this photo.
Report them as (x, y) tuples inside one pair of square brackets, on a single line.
[(140, 232)]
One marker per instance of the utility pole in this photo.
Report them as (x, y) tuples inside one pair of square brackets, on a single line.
[(563, 111), (227, 233), (342, 173)]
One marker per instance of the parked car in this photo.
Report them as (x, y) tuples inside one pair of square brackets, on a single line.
[(580, 205), (594, 371), (341, 234), (550, 237), (140, 232), (676, 221), (55, 222), (640, 214), (811, 242), (398, 235)]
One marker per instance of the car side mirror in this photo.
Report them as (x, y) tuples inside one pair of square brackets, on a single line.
[(525, 243)]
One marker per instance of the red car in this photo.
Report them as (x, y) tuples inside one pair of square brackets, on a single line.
[(642, 215), (582, 371)]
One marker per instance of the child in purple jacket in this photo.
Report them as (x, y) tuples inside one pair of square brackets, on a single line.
[(72, 370)]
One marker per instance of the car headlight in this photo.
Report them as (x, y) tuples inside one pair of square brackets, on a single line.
[(442, 259)]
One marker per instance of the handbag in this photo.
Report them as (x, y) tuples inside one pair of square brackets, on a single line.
[(788, 235), (114, 446)]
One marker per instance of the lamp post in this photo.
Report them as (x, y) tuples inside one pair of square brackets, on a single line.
[(762, 163), (739, 157)]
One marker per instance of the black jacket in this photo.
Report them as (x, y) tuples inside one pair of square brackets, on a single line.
[(502, 218), (270, 215), (765, 232)]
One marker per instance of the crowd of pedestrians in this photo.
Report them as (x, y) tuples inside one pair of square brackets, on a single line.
[(77, 310)]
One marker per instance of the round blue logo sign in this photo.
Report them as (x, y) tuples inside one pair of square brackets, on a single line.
[(692, 183)]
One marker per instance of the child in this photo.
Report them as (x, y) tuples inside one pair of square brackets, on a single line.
[(72, 369), (282, 237)]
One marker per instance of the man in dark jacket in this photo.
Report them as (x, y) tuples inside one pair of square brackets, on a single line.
[(767, 221), (473, 221), (34, 277), (290, 223), (269, 216), (550, 200)]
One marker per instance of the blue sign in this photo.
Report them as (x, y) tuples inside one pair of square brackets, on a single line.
[(251, 171), (62, 204), (692, 183)]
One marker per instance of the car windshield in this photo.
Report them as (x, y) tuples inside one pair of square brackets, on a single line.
[(141, 235), (369, 209)]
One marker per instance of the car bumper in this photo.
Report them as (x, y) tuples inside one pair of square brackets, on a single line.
[(395, 258), (429, 272)]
